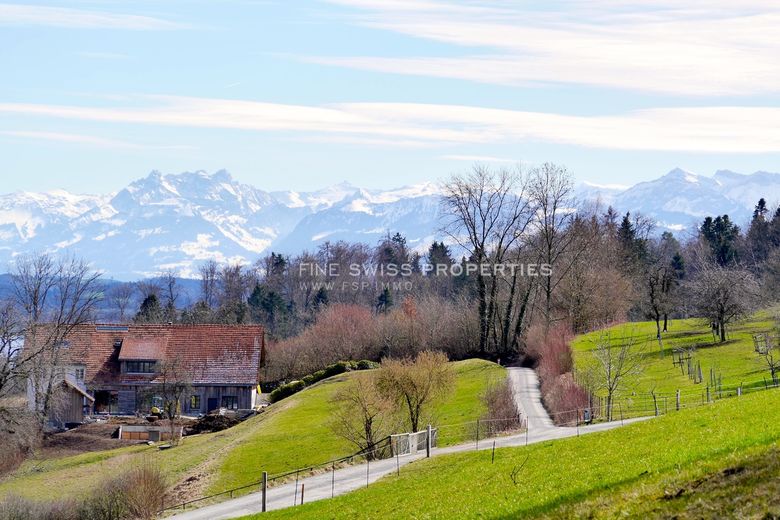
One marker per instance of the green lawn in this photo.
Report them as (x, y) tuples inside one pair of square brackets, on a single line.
[(291, 434), (745, 484), (297, 434), (78, 475), (554, 478), (734, 362)]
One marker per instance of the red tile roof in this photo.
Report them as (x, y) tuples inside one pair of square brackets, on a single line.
[(214, 354), (144, 348)]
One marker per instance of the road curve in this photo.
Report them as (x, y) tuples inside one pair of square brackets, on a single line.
[(525, 385)]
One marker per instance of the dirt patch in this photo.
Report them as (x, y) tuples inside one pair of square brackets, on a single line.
[(97, 436), (85, 438), (212, 423)]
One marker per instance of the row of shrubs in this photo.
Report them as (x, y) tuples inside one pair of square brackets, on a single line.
[(136, 494), (288, 389)]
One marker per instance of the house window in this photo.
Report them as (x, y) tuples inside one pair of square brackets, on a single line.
[(194, 402), (139, 367), (230, 402), (79, 373)]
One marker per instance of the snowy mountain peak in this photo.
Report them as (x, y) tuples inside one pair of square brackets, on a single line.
[(178, 221), (684, 175), (222, 176)]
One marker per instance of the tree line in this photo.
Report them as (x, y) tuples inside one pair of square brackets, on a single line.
[(602, 267)]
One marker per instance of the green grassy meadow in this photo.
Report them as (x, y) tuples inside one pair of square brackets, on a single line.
[(734, 362), (628, 470), (290, 434)]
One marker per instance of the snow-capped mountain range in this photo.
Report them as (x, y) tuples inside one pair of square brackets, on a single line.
[(179, 221), (680, 200)]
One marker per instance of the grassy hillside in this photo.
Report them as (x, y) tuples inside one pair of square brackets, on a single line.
[(297, 434), (734, 361), (554, 478), (291, 434), (741, 485)]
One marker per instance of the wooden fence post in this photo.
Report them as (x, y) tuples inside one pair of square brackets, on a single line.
[(428, 442), (265, 490)]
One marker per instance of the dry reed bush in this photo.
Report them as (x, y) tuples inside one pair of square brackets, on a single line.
[(144, 488), (21, 434), (18, 508), (501, 413), (137, 494), (563, 397), (561, 394)]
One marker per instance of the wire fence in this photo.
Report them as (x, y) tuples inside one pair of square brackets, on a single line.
[(623, 407), (386, 451), (381, 447), (385, 456)]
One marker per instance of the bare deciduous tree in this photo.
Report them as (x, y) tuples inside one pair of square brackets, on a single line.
[(149, 287), (363, 415), (414, 384), (723, 295), (54, 297), (173, 381), (209, 275), (487, 213), (617, 360), (11, 342), (170, 295), (121, 296), (556, 244)]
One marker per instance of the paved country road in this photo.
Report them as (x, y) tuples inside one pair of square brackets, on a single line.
[(540, 428)]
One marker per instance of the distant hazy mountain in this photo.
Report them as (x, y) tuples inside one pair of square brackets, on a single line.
[(179, 221), (680, 199)]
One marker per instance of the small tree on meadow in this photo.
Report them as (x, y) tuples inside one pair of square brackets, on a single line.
[(363, 415), (616, 362), (174, 381), (414, 384), (723, 295)]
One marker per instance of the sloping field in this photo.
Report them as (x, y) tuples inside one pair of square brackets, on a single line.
[(554, 479), (733, 363), (291, 434)]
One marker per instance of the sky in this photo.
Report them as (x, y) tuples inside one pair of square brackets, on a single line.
[(382, 93)]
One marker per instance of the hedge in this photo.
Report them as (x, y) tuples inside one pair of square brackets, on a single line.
[(293, 387)]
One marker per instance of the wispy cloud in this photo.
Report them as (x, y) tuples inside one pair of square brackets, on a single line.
[(701, 129), (89, 140), (478, 159), (700, 49), (19, 14)]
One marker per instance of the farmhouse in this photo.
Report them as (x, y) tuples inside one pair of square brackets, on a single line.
[(120, 365)]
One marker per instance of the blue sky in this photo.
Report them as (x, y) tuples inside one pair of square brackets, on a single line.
[(299, 95)]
